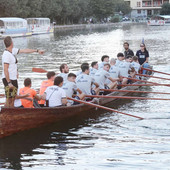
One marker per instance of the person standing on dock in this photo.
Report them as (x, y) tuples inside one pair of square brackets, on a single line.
[(10, 71), (127, 52)]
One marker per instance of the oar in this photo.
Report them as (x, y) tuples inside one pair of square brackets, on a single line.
[(144, 81), (125, 97), (132, 91), (156, 71), (39, 70), (103, 107), (144, 75), (144, 85)]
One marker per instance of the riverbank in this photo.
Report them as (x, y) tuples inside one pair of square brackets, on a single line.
[(93, 26)]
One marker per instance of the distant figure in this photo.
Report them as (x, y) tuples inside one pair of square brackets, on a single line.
[(32, 94), (143, 57), (54, 95), (45, 84), (105, 60), (64, 69), (10, 71), (94, 68), (127, 50)]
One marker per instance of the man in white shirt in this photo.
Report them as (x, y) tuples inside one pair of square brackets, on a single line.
[(54, 95), (105, 60), (94, 68), (120, 58), (84, 82), (135, 64), (64, 69), (70, 88), (80, 71), (102, 75), (10, 71)]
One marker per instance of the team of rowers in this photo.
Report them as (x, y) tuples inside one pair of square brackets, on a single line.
[(88, 81)]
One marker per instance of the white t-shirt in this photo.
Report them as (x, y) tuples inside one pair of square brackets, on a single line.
[(136, 66), (100, 77), (55, 94), (118, 62), (64, 76), (10, 59), (92, 72), (78, 73), (124, 67), (84, 83), (101, 65), (17, 102), (69, 87)]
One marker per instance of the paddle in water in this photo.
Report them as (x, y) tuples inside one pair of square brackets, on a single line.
[(39, 70)]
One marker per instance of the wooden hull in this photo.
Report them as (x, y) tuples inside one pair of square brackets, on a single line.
[(13, 120)]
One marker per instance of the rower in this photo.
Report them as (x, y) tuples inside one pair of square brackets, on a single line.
[(64, 69), (105, 60), (84, 82), (45, 84), (80, 71), (54, 95), (94, 68), (102, 75), (127, 50), (135, 64), (120, 59), (70, 88), (32, 94)]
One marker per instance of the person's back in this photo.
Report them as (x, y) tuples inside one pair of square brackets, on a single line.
[(93, 69), (135, 64)]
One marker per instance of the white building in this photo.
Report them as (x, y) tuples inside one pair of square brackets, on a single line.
[(145, 8)]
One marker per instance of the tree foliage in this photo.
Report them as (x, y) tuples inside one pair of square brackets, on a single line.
[(165, 9), (62, 11)]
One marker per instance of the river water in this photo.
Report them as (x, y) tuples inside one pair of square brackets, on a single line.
[(97, 139)]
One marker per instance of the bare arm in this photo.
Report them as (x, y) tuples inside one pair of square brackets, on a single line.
[(31, 51), (80, 92), (64, 101), (22, 96), (96, 84), (6, 72), (38, 97), (113, 80)]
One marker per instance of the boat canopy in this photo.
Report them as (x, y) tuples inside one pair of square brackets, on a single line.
[(164, 16)]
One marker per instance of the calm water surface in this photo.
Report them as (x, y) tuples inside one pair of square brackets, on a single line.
[(97, 139)]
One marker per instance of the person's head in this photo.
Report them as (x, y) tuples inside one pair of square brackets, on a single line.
[(71, 77), (129, 58), (85, 69), (135, 58), (106, 67), (64, 68), (84, 64), (51, 75), (94, 65), (112, 61), (27, 82), (142, 47), (105, 58), (58, 81), (8, 42), (120, 56), (126, 45)]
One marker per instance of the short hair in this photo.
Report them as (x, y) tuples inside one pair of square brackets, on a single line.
[(7, 41), (120, 55), (72, 75), (50, 74), (27, 82), (129, 56), (84, 64), (126, 43), (135, 58), (58, 80), (93, 63), (107, 64), (112, 60), (62, 67), (103, 57), (84, 68)]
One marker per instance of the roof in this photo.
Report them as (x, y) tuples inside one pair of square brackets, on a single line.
[(8, 19), (40, 18), (165, 16)]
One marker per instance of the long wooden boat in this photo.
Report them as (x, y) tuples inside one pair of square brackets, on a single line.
[(13, 120)]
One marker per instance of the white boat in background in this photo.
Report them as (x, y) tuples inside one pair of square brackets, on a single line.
[(40, 25), (166, 19), (156, 22), (14, 27)]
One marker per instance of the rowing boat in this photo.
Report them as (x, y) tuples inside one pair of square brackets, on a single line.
[(13, 120)]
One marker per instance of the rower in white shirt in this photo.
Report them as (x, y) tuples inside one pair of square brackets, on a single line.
[(105, 60), (54, 95), (135, 64), (102, 75), (94, 68), (70, 88), (120, 58), (84, 82), (80, 71), (64, 69)]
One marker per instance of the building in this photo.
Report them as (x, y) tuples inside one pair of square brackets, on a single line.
[(145, 8)]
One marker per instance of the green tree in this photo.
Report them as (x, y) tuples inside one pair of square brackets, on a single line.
[(122, 6), (165, 9)]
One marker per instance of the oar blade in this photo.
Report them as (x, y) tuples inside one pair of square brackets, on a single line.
[(39, 70)]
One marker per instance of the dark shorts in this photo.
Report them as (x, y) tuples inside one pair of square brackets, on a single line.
[(93, 92), (77, 98), (10, 93)]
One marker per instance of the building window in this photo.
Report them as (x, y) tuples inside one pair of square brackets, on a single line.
[(139, 11), (138, 4)]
